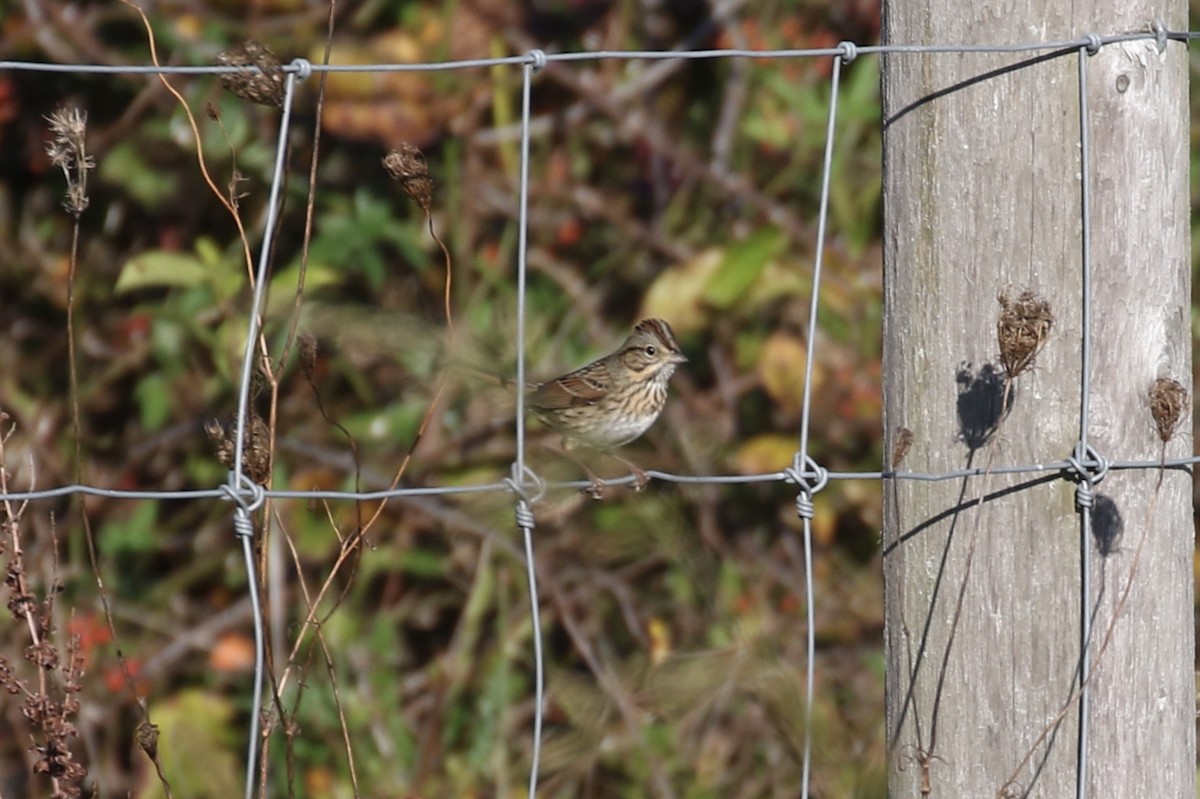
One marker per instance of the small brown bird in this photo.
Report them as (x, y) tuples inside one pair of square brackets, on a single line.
[(613, 400)]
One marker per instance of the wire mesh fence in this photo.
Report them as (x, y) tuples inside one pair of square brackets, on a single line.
[(246, 493)]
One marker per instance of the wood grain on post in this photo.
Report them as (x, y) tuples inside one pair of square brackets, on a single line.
[(982, 197)]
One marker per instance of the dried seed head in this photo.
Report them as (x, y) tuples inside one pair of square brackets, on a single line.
[(1168, 400), (256, 454), (904, 440), (406, 164), (265, 86), (67, 150), (147, 739), (43, 654), (222, 445), (1022, 330)]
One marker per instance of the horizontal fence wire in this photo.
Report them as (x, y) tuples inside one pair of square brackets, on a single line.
[(1065, 467), (525, 486)]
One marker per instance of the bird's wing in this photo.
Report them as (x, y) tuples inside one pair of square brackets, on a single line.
[(569, 391)]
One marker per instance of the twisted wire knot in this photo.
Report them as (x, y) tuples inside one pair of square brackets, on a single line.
[(1087, 468), (243, 527), (303, 68), (538, 58), (811, 478), (237, 489), (849, 51), (519, 482), (1093, 43), (524, 515)]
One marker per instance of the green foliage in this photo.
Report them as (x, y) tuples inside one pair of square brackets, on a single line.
[(136, 533), (741, 267), (197, 746), (671, 621)]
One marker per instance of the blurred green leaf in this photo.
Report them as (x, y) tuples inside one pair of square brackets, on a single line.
[(424, 563), (134, 533), (161, 268), (196, 741), (154, 396), (742, 265), (125, 166)]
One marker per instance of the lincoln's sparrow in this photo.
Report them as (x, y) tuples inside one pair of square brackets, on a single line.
[(614, 400)]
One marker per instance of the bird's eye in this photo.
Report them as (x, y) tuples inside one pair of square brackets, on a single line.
[(650, 350)]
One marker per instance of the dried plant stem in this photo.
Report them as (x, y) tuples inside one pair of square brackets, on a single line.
[(1022, 330), (229, 206), (311, 203), (449, 273), (89, 534), (329, 666)]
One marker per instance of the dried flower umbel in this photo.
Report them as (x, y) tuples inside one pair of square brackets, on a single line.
[(265, 86), (1022, 330), (67, 149), (406, 164), (256, 454), (308, 355), (903, 441), (1168, 399)]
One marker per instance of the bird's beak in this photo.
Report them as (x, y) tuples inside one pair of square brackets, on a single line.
[(677, 357)]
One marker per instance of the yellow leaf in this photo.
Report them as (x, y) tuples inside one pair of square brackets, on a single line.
[(769, 452), (676, 294), (824, 523), (781, 364), (660, 640)]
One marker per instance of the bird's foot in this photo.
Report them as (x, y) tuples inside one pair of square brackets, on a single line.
[(640, 479), (596, 489)]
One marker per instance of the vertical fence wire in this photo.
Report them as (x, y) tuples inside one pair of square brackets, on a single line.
[(1085, 507), (524, 509), (242, 521), (804, 466)]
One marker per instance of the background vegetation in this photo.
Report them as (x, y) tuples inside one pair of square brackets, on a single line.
[(673, 620)]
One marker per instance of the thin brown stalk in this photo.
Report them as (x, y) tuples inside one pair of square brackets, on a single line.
[(311, 202), (151, 40), (329, 664)]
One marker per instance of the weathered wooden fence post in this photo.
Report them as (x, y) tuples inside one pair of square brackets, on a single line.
[(982, 194)]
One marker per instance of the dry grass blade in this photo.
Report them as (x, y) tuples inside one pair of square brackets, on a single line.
[(264, 86), (1022, 330)]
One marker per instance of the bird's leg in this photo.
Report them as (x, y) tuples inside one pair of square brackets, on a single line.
[(640, 478), (596, 489)]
